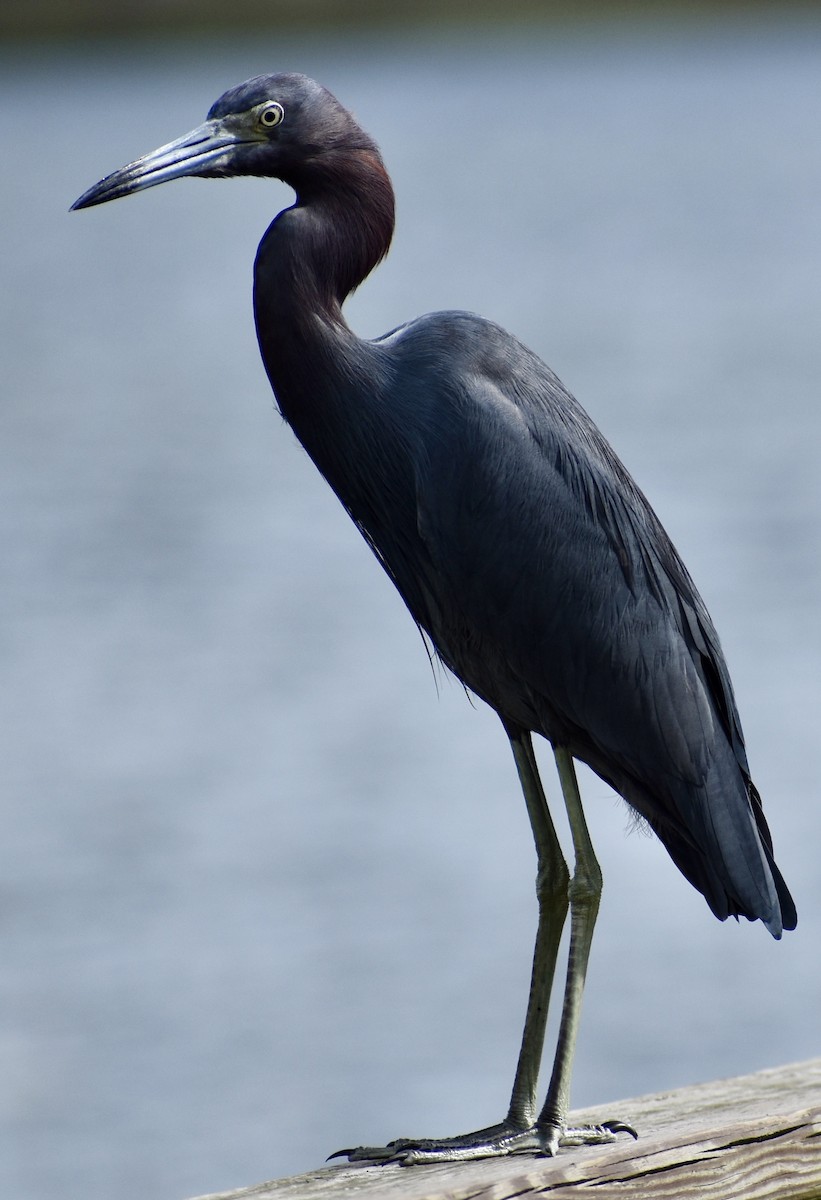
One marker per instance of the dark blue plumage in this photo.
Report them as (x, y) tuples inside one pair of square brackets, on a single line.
[(518, 541)]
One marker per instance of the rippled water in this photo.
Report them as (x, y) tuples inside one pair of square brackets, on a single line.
[(265, 887)]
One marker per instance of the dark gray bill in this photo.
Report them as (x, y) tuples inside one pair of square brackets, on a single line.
[(204, 149)]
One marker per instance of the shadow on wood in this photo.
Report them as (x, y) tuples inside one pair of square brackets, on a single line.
[(757, 1137)]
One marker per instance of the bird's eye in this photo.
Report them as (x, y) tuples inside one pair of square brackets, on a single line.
[(271, 115)]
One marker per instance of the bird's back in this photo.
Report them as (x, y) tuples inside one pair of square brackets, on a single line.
[(548, 585)]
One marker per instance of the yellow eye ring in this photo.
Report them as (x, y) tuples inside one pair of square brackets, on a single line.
[(271, 115)]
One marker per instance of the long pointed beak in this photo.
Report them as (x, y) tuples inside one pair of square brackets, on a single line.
[(206, 150)]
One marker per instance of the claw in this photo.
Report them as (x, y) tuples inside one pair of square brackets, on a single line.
[(393, 1152), (620, 1127)]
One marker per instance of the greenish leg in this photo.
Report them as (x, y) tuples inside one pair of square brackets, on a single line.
[(584, 894), (556, 892), (552, 883)]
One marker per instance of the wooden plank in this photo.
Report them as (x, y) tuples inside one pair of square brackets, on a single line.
[(756, 1137)]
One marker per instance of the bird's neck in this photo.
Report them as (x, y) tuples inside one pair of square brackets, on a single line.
[(316, 253), (311, 257)]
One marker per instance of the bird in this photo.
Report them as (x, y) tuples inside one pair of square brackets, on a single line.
[(527, 556)]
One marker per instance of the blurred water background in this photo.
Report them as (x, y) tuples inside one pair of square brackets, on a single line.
[(266, 888)]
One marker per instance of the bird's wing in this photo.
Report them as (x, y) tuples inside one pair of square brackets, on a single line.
[(550, 588), (545, 556)]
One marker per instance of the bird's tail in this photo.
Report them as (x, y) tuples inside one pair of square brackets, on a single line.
[(789, 917), (729, 856)]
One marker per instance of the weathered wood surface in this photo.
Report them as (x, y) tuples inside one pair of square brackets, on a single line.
[(757, 1137)]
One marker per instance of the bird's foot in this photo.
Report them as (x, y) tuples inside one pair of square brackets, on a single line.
[(496, 1140), (553, 1137), (492, 1142)]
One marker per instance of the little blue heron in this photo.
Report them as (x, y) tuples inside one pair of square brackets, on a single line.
[(521, 546)]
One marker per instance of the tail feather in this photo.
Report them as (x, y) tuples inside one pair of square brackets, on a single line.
[(789, 916), (725, 850)]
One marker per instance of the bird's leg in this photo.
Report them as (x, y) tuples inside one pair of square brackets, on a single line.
[(517, 1131), (556, 891), (552, 882), (585, 893)]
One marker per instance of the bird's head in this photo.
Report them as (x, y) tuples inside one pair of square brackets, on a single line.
[(282, 126)]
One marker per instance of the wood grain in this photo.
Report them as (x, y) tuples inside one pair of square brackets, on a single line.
[(756, 1137)]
